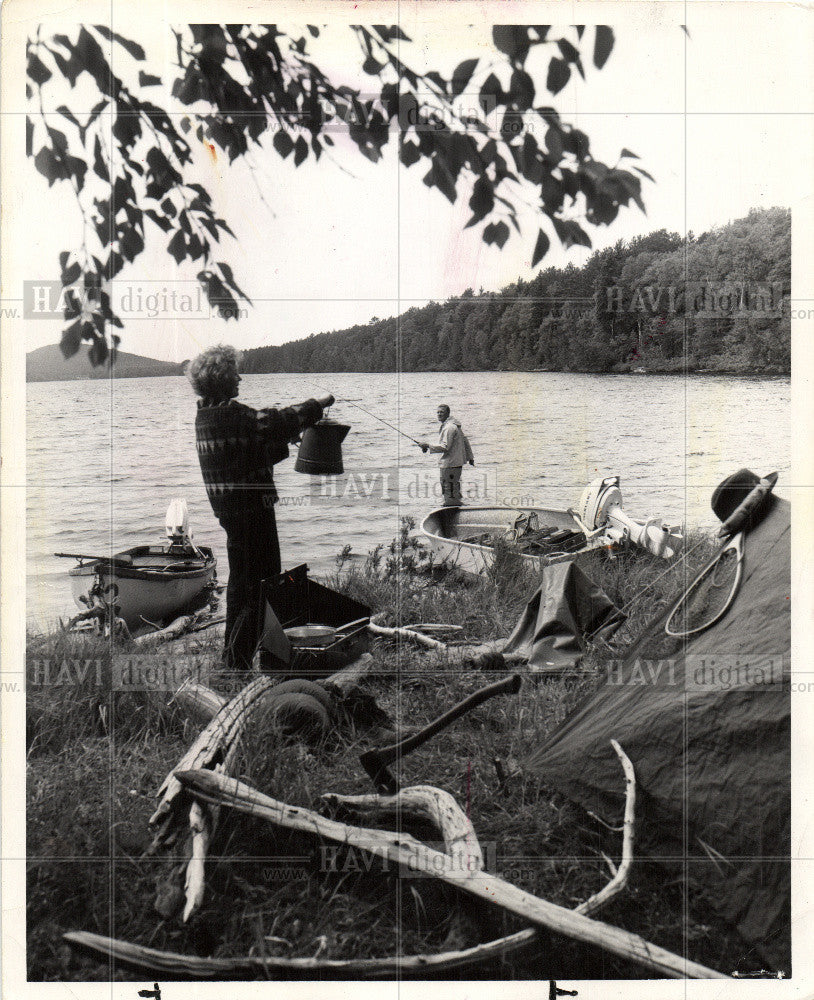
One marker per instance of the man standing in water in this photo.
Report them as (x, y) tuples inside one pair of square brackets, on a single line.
[(238, 448), (454, 449)]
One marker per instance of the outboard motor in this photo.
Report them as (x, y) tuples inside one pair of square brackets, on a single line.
[(176, 523), (600, 509)]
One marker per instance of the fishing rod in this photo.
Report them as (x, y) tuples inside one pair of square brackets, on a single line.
[(374, 415)]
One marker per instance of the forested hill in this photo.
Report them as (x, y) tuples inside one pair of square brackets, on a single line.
[(719, 302)]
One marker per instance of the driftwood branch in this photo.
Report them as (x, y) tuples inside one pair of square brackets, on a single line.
[(244, 967), (198, 701), (406, 633), (619, 880), (171, 631), (422, 802), (410, 855), (216, 747)]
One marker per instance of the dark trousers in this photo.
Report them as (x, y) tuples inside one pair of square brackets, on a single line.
[(254, 554), (451, 485)]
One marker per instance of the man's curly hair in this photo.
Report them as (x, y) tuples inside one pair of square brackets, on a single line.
[(211, 372)]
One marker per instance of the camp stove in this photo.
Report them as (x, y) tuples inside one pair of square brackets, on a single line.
[(600, 513)]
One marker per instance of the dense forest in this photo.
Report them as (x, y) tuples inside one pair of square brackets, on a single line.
[(714, 302)]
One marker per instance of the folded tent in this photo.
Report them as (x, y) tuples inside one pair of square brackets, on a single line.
[(706, 723)]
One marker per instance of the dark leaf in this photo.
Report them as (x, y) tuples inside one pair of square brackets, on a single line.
[(99, 165), (177, 247), (147, 79), (570, 233), (283, 143), (135, 50), (71, 339), (71, 274), (521, 90), (559, 74), (98, 351), (313, 29), (462, 75), (491, 94), (29, 136), (511, 39), (161, 221), (226, 271), (131, 243), (496, 233), (644, 173), (48, 165), (372, 66), (439, 176), (570, 54), (540, 248), (115, 262), (603, 45), (37, 71), (627, 152), (127, 127), (482, 201), (300, 151), (409, 153)]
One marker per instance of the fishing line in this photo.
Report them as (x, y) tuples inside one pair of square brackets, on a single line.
[(369, 413)]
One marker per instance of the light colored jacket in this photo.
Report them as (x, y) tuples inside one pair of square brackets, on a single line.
[(453, 445)]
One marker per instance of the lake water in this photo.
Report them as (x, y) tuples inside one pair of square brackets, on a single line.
[(105, 458)]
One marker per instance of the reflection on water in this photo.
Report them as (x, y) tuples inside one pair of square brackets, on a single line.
[(105, 459)]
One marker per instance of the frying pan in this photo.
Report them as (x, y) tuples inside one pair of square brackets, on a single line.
[(317, 635)]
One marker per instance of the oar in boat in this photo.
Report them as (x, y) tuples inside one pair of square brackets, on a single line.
[(121, 560)]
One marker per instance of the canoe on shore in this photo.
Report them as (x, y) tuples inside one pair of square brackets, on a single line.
[(465, 536), (148, 582)]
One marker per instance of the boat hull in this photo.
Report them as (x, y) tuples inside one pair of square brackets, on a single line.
[(157, 584), (447, 528)]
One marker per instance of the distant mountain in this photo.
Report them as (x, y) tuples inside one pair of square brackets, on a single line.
[(47, 364)]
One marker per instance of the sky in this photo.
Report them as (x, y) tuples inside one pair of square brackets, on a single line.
[(714, 117)]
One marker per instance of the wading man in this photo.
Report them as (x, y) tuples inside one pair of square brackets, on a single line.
[(454, 449), (238, 448)]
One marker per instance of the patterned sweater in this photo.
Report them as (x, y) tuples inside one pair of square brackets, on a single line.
[(238, 448)]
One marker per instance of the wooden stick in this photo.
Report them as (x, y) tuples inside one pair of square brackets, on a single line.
[(619, 880), (201, 823), (246, 966), (171, 631), (406, 633), (424, 802), (411, 855)]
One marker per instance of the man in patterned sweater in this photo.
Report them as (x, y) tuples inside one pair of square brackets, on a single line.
[(238, 448)]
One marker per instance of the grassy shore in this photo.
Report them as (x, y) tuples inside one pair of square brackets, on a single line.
[(96, 758)]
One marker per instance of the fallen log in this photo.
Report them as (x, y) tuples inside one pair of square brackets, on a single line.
[(217, 743), (349, 676), (421, 802), (198, 700), (410, 855), (215, 747), (171, 631)]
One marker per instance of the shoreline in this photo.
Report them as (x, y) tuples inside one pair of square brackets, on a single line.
[(679, 373)]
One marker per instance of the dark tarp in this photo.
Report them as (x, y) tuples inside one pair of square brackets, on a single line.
[(710, 746), (566, 606)]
